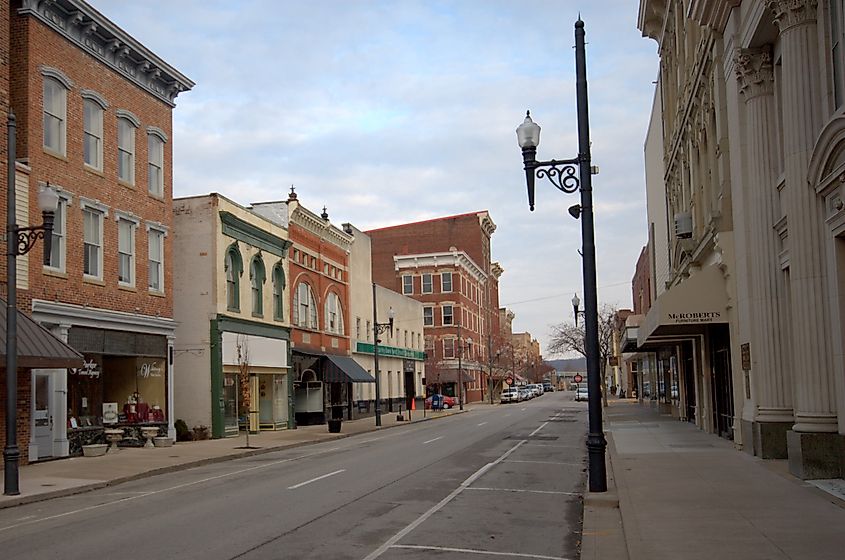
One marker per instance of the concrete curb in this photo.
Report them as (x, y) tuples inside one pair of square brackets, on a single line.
[(44, 496), (603, 533)]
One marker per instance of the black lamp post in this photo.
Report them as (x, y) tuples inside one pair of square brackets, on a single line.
[(379, 328), (576, 302), (19, 241), (562, 174)]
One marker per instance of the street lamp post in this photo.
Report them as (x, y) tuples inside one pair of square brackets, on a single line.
[(379, 328), (19, 241), (562, 174), (576, 301)]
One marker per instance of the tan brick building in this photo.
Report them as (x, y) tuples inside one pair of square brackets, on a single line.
[(93, 109)]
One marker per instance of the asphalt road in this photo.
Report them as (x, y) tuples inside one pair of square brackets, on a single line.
[(504, 482)]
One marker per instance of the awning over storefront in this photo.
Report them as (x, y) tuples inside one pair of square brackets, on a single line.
[(687, 308), (37, 347), (340, 369)]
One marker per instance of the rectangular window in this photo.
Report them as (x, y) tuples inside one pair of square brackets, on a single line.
[(126, 151), (426, 284), (92, 258), (445, 282), (125, 252), (358, 328), (448, 347), (448, 318), (837, 34), (55, 116), (156, 260), (428, 316), (93, 134), (407, 284), (155, 165), (56, 258)]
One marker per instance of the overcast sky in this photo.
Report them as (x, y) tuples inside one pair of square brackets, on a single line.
[(399, 111)]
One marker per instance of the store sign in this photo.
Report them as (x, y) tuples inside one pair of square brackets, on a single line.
[(150, 369), (88, 369), (367, 348), (695, 317)]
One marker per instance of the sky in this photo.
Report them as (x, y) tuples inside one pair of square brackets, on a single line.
[(397, 111)]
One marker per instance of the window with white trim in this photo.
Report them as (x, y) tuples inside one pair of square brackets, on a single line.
[(448, 317), (334, 314), (448, 347), (407, 284), (125, 252), (428, 316), (445, 282), (156, 260), (126, 150), (92, 143), (426, 284), (304, 307), (55, 259), (55, 115), (155, 165), (92, 237)]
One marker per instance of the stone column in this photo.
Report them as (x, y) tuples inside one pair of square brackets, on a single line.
[(812, 439), (773, 392)]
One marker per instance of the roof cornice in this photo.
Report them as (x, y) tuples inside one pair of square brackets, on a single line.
[(88, 29), (452, 258), (309, 221)]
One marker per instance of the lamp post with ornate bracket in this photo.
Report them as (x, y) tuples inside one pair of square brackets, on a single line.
[(19, 241), (379, 328), (562, 174)]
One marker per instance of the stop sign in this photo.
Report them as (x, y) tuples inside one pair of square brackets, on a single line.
[(578, 378), (509, 380)]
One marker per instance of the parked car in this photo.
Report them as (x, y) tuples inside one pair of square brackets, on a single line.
[(526, 393), (448, 402), (536, 389), (547, 387), (511, 395), (581, 393)]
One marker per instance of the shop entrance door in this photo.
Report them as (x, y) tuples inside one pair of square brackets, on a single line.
[(41, 414), (722, 383), (689, 380)]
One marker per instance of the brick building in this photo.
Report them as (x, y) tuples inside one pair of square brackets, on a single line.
[(93, 109), (446, 264)]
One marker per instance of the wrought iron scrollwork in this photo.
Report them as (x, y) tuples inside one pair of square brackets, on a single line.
[(562, 175), (26, 238)]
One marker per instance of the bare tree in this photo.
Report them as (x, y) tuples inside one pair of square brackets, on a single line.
[(568, 337)]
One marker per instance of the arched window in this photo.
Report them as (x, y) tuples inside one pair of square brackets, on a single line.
[(233, 266), (256, 278), (278, 292), (304, 307), (334, 314)]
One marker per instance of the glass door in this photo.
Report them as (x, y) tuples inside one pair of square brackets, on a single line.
[(230, 406), (42, 418)]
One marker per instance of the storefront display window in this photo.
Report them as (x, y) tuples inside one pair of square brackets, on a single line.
[(230, 403)]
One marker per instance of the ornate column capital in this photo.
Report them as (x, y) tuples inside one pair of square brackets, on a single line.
[(754, 72), (791, 13)]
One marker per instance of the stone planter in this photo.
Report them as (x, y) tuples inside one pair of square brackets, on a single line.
[(162, 441), (94, 450), (334, 426)]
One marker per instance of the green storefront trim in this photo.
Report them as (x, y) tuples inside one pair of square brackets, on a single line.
[(219, 325), (242, 230), (367, 348)]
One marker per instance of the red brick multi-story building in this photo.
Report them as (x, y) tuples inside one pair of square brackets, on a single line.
[(93, 109), (446, 264)]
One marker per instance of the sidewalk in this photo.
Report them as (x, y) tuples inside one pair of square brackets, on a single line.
[(676, 492), (63, 477)]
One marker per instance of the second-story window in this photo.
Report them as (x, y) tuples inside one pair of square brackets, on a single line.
[(448, 347), (55, 259), (837, 37), (407, 284), (55, 115), (92, 259), (126, 150), (304, 307), (428, 316), (446, 282), (278, 293), (334, 314), (426, 284), (256, 277), (125, 252), (92, 146), (156, 260), (233, 267), (448, 317), (155, 165)]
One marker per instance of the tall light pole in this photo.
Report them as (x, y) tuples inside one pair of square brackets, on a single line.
[(562, 174), (19, 241), (379, 328), (460, 368)]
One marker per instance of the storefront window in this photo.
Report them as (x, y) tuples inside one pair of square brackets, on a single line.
[(230, 403)]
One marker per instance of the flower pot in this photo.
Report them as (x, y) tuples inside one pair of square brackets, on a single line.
[(162, 441), (94, 450), (334, 426)]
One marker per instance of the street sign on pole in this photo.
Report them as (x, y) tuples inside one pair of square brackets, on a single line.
[(509, 380), (578, 378)]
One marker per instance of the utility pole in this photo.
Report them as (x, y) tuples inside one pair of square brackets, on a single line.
[(460, 369)]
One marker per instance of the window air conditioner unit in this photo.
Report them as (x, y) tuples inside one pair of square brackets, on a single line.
[(683, 225)]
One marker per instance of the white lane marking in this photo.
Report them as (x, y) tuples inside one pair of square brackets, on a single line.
[(482, 423), (524, 491), (163, 490), (547, 463), (523, 409), (435, 439), (437, 507), (484, 552), (301, 484), (543, 425)]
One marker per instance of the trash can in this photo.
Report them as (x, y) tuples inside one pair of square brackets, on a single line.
[(336, 419)]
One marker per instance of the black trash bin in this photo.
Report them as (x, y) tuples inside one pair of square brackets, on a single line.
[(336, 420)]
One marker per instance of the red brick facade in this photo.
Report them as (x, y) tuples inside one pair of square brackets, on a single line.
[(641, 283)]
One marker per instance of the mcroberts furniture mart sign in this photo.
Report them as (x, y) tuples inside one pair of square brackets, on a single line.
[(695, 317), (366, 348)]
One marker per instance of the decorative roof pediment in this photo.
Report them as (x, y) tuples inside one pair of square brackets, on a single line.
[(313, 223)]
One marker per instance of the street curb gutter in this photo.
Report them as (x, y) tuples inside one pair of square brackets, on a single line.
[(44, 496), (603, 535)]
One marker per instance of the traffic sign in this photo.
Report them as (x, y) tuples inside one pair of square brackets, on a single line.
[(509, 380), (578, 378)]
